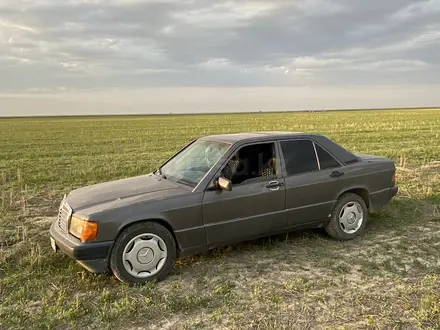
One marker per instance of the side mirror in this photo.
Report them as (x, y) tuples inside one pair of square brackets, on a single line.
[(224, 183)]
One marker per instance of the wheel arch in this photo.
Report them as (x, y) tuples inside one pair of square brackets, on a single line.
[(361, 192), (155, 220)]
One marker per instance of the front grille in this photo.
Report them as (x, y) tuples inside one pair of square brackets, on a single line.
[(64, 214)]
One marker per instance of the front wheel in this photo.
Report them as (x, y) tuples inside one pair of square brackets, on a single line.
[(348, 218), (143, 252)]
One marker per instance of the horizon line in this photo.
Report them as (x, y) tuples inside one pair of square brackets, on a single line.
[(218, 113)]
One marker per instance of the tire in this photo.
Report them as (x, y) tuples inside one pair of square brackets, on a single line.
[(344, 222), (142, 253)]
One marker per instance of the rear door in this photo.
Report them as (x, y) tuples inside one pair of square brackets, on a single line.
[(311, 182)]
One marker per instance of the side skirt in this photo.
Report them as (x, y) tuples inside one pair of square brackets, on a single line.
[(205, 248)]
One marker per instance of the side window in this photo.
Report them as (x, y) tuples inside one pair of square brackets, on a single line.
[(326, 160), (251, 163), (299, 156)]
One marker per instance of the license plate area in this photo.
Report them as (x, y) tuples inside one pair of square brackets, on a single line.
[(53, 245)]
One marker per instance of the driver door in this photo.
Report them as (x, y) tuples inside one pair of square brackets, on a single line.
[(254, 207)]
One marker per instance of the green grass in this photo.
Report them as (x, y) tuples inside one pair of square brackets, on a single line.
[(388, 278)]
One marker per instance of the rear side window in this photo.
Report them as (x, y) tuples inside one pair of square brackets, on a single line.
[(299, 156), (326, 160)]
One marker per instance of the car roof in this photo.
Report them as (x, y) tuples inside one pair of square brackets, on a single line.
[(254, 136)]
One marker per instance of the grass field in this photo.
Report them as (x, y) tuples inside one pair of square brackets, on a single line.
[(386, 279)]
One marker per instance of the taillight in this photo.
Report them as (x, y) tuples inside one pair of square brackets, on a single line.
[(393, 177)]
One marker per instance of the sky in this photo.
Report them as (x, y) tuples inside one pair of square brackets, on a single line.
[(151, 56)]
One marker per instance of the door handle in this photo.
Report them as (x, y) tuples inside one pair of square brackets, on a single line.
[(336, 174), (274, 184)]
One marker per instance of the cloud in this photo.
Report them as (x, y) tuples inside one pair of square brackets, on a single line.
[(83, 44), (316, 8), (392, 65), (226, 14), (306, 62), (418, 9), (216, 64), (5, 25)]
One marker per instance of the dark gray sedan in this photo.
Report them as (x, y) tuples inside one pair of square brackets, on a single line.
[(220, 190)]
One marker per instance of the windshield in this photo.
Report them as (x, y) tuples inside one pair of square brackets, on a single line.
[(191, 165)]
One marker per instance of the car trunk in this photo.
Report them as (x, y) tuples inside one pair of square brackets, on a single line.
[(372, 158)]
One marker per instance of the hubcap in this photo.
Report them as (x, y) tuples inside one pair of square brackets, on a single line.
[(351, 217), (144, 255)]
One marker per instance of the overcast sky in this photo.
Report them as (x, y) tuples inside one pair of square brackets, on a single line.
[(122, 56)]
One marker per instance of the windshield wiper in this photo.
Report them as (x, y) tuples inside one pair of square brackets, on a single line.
[(163, 176), (186, 182)]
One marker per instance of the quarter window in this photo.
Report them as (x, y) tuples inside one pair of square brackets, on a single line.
[(326, 160), (299, 156)]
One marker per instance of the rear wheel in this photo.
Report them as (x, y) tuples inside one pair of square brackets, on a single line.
[(349, 217), (143, 252)]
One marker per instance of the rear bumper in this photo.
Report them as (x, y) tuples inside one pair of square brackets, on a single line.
[(380, 199), (92, 256), (393, 192)]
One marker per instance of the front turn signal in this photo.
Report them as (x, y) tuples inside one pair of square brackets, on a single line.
[(83, 229)]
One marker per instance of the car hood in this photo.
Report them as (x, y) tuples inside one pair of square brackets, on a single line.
[(147, 187)]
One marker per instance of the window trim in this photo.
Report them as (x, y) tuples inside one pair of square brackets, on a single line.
[(341, 164), (316, 155), (278, 169)]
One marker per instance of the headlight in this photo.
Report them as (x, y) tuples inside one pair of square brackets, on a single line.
[(83, 229)]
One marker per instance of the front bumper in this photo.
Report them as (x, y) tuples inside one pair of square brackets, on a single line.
[(92, 256)]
